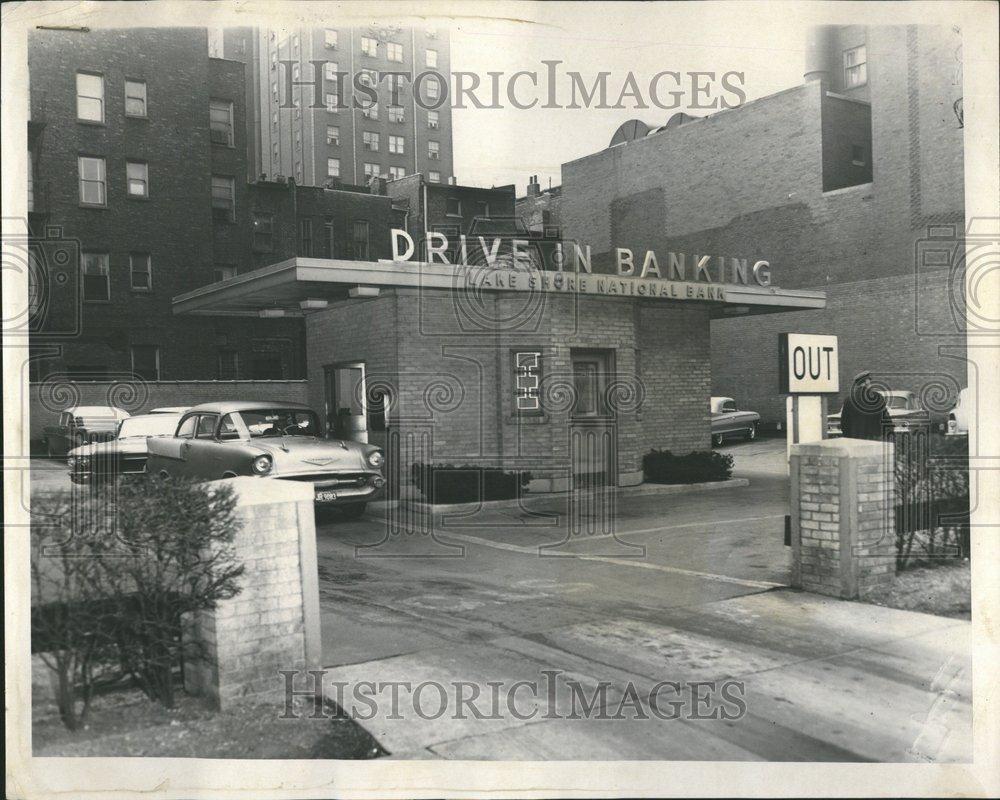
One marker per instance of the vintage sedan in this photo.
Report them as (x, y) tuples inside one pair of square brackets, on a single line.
[(960, 416), (904, 410), (79, 425), (727, 420), (122, 456), (269, 440)]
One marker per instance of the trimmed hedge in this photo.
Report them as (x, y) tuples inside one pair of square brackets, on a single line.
[(447, 483), (699, 466)]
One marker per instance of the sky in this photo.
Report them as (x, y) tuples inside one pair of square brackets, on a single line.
[(500, 146)]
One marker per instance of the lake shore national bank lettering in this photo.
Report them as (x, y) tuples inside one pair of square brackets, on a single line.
[(479, 265)]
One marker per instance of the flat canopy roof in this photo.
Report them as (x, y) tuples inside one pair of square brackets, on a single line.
[(299, 286)]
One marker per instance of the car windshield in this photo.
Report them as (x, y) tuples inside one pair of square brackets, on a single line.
[(896, 402), (153, 425), (280, 422)]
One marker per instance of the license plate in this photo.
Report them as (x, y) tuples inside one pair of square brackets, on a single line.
[(325, 496)]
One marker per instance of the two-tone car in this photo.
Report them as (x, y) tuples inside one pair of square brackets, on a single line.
[(79, 425), (122, 456), (269, 440), (727, 420), (904, 410), (959, 417)]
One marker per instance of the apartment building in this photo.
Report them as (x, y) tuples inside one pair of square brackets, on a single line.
[(311, 115)]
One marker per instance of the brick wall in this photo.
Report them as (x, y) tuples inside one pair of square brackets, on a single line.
[(48, 398), (273, 623), (842, 505), (450, 369)]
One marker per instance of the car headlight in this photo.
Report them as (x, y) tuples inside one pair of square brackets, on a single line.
[(71, 462), (376, 459), (262, 465)]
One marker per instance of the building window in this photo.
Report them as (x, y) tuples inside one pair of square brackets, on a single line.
[(855, 67), (220, 114), (135, 98), (275, 154), (527, 368), (370, 112), (275, 93), (370, 141), (369, 46), (330, 38), (433, 149), (263, 232), (96, 277), (223, 198), (146, 361), (434, 177), (93, 191), (397, 145), (328, 235), (137, 174), (395, 173), (296, 71), (453, 207), (858, 155), (305, 237), (330, 71), (394, 51), (433, 120), (431, 58), (140, 271), (229, 365), (331, 102), (224, 273), (433, 89), (89, 97), (372, 170), (333, 135), (333, 167), (396, 114), (360, 239), (482, 208), (368, 77)]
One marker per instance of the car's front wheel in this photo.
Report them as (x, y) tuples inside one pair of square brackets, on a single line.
[(752, 432), (717, 439)]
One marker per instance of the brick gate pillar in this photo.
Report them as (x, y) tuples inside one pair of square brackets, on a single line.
[(273, 623), (842, 500)]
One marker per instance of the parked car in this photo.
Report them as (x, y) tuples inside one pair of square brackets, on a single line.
[(122, 456), (960, 415), (727, 420), (79, 425), (169, 410), (269, 440), (903, 408)]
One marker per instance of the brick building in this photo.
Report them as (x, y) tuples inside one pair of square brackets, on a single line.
[(316, 135), (539, 209), (138, 151), (136, 147), (843, 183)]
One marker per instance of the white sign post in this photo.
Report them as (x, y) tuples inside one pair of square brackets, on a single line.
[(808, 373)]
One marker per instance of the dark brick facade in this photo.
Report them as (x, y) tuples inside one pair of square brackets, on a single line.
[(174, 225), (749, 182), (453, 386)]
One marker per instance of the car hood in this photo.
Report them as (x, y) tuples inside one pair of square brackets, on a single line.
[(303, 454), (131, 445)]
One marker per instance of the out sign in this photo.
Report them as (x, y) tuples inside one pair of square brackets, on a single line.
[(808, 364)]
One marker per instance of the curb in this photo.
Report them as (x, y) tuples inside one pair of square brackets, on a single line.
[(379, 509)]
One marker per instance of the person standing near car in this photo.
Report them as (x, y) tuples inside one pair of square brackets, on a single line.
[(865, 415)]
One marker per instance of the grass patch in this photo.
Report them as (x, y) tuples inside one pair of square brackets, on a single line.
[(944, 589)]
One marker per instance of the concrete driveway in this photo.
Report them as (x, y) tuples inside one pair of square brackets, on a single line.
[(689, 591)]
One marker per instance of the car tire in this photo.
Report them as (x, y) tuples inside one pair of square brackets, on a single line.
[(752, 432), (47, 444), (717, 440), (353, 510)]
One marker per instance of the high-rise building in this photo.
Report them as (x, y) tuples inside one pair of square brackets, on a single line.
[(311, 115)]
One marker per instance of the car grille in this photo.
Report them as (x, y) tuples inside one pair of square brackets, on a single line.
[(332, 479)]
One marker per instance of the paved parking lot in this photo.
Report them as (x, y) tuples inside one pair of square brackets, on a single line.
[(502, 597)]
